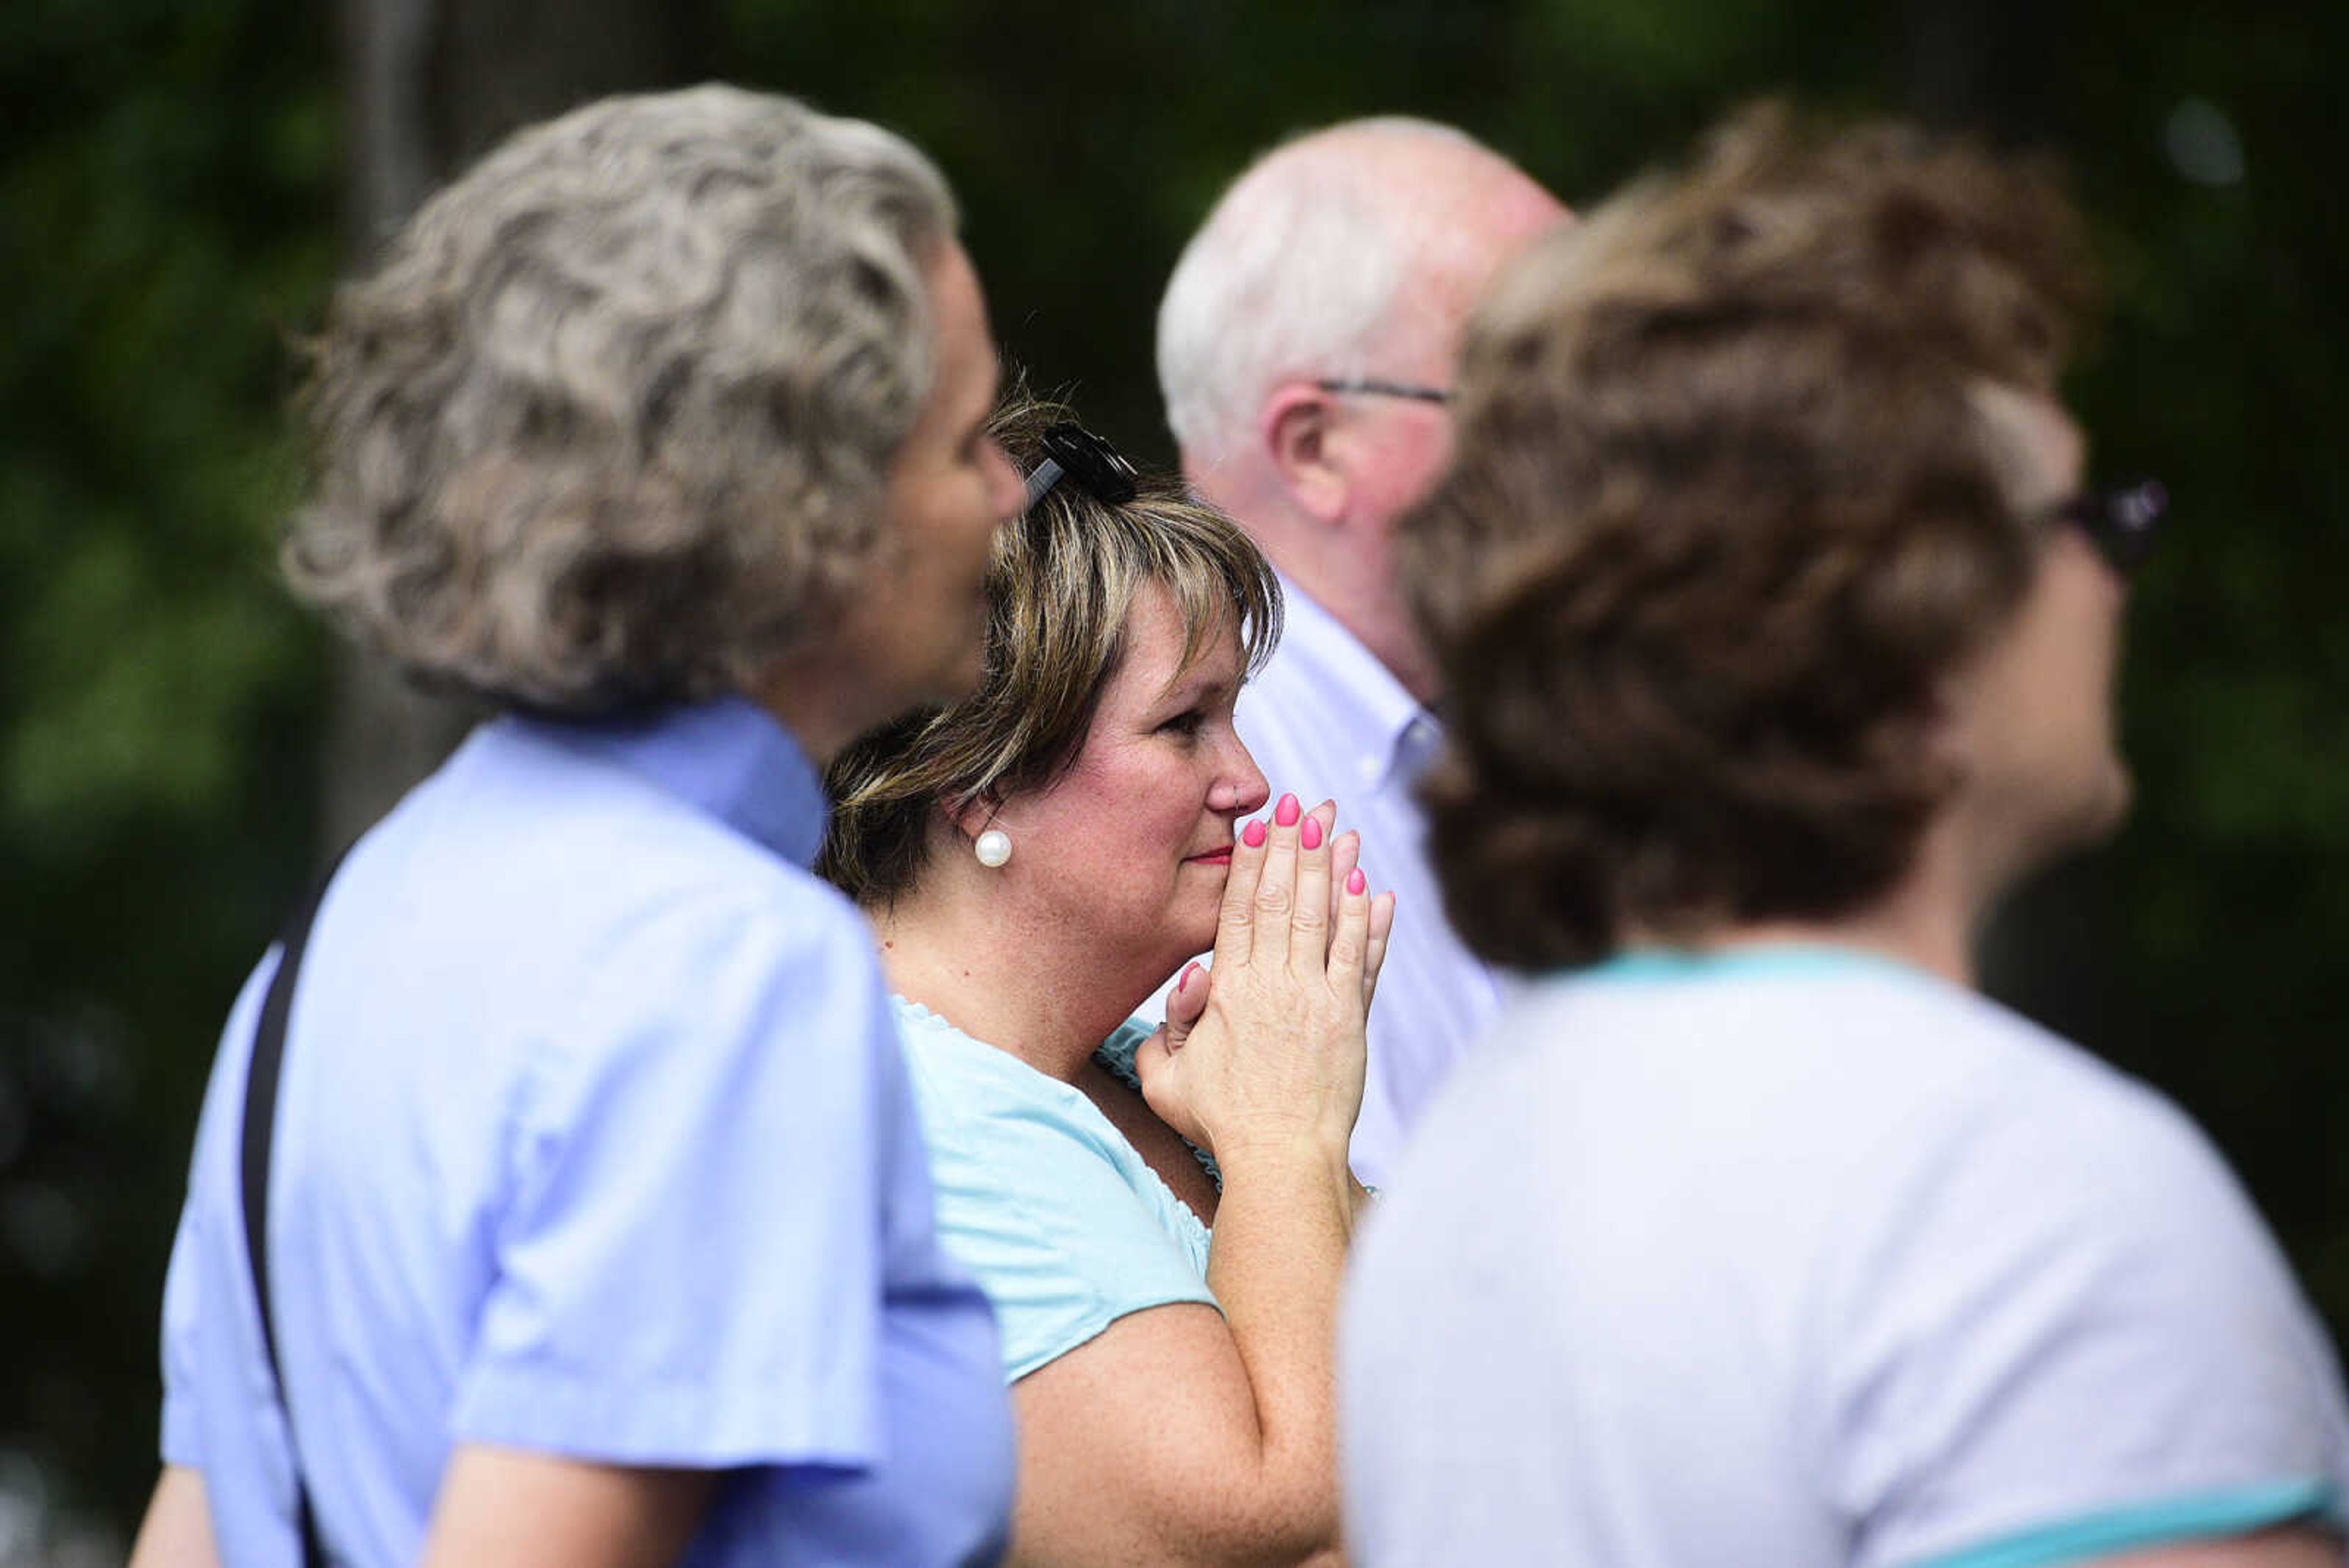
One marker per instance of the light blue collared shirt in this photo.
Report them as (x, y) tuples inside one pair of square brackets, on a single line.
[(1063, 1220), (593, 1139), (1327, 720)]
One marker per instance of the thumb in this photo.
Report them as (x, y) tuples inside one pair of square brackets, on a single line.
[(1163, 1083), (1185, 1003), (1154, 1064)]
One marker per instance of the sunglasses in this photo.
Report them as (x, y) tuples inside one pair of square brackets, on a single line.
[(1072, 452), (2121, 524)]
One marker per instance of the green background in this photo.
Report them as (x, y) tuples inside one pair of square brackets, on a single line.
[(173, 205)]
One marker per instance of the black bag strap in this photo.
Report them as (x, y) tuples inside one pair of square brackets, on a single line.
[(260, 1131)]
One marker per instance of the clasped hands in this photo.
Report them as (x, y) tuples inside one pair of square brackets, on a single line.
[(1266, 1050)]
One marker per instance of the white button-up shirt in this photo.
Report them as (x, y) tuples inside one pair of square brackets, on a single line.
[(1326, 719)]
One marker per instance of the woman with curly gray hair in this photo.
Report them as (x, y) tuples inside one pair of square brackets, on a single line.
[(558, 1196)]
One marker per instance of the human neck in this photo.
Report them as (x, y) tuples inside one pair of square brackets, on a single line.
[(1373, 614), (1929, 920), (1001, 978), (822, 699), (1332, 567)]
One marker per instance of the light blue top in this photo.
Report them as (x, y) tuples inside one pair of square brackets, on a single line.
[(1791, 1254), (1064, 1223), (593, 1139)]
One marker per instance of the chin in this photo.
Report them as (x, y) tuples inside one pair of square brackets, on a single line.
[(1200, 941), (2112, 803), (2086, 818), (961, 681), (1193, 939)]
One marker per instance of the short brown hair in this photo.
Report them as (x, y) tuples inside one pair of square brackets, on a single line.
[(1060, 589), (1722, 515), (610, 422)]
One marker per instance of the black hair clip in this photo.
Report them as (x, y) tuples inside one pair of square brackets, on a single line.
[(1076, 451)]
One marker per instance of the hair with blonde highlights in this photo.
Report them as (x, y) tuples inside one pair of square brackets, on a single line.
[(1060, 587), (1723, 515), (610, 423)]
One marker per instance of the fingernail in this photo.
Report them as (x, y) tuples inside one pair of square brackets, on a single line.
[(1310, 837), (1253, 836), (1187, 973), (1355, 882), (1286, 813)]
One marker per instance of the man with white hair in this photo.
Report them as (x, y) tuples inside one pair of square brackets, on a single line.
[(1305, 350)]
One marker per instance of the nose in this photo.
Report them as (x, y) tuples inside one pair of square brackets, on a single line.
[(1240, 787), (1007, 491)]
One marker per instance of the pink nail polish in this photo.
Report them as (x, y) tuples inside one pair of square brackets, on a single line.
[(1187, 973), (1310, 834), (1253, 836), (1286, 812), (1354, 881)]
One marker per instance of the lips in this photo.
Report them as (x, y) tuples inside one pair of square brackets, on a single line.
[(1212, 857)]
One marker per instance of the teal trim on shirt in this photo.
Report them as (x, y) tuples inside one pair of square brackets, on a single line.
[(2208, 1516), (1763, 961)]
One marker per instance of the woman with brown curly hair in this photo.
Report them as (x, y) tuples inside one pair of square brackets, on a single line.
[(1039, 858), (1782, 637), (560, 1198)]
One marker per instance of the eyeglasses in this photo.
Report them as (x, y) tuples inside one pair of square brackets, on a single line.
[(1077, 453), (1372, 386), (2120, 523)]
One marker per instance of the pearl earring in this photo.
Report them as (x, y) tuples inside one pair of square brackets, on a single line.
[(993, 847)]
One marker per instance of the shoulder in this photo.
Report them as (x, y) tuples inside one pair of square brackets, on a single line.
[(1851, 1044), (1040, 1198), (999, 1128), (2053, 1297), (1896, 1122), (570, 861)]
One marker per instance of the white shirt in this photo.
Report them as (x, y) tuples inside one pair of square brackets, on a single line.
[(1327, 720), (1794, 1258)]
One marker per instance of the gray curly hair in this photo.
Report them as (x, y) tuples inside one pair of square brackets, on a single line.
[(611, 422)]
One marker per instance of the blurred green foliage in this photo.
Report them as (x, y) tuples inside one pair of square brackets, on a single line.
[(168, 188), (171, 187)]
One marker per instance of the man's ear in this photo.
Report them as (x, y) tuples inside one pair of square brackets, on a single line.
[(1295, 426)]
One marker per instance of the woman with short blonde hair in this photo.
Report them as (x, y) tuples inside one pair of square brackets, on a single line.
[(1039, 858)]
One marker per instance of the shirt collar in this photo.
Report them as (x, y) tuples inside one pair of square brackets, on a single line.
[(728, 757), (1373, 703)]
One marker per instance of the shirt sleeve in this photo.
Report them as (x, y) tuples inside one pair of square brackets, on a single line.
[(199, 1252), (1042, 1215), (689, 1261), (181, 1443), (2075, 1338)]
